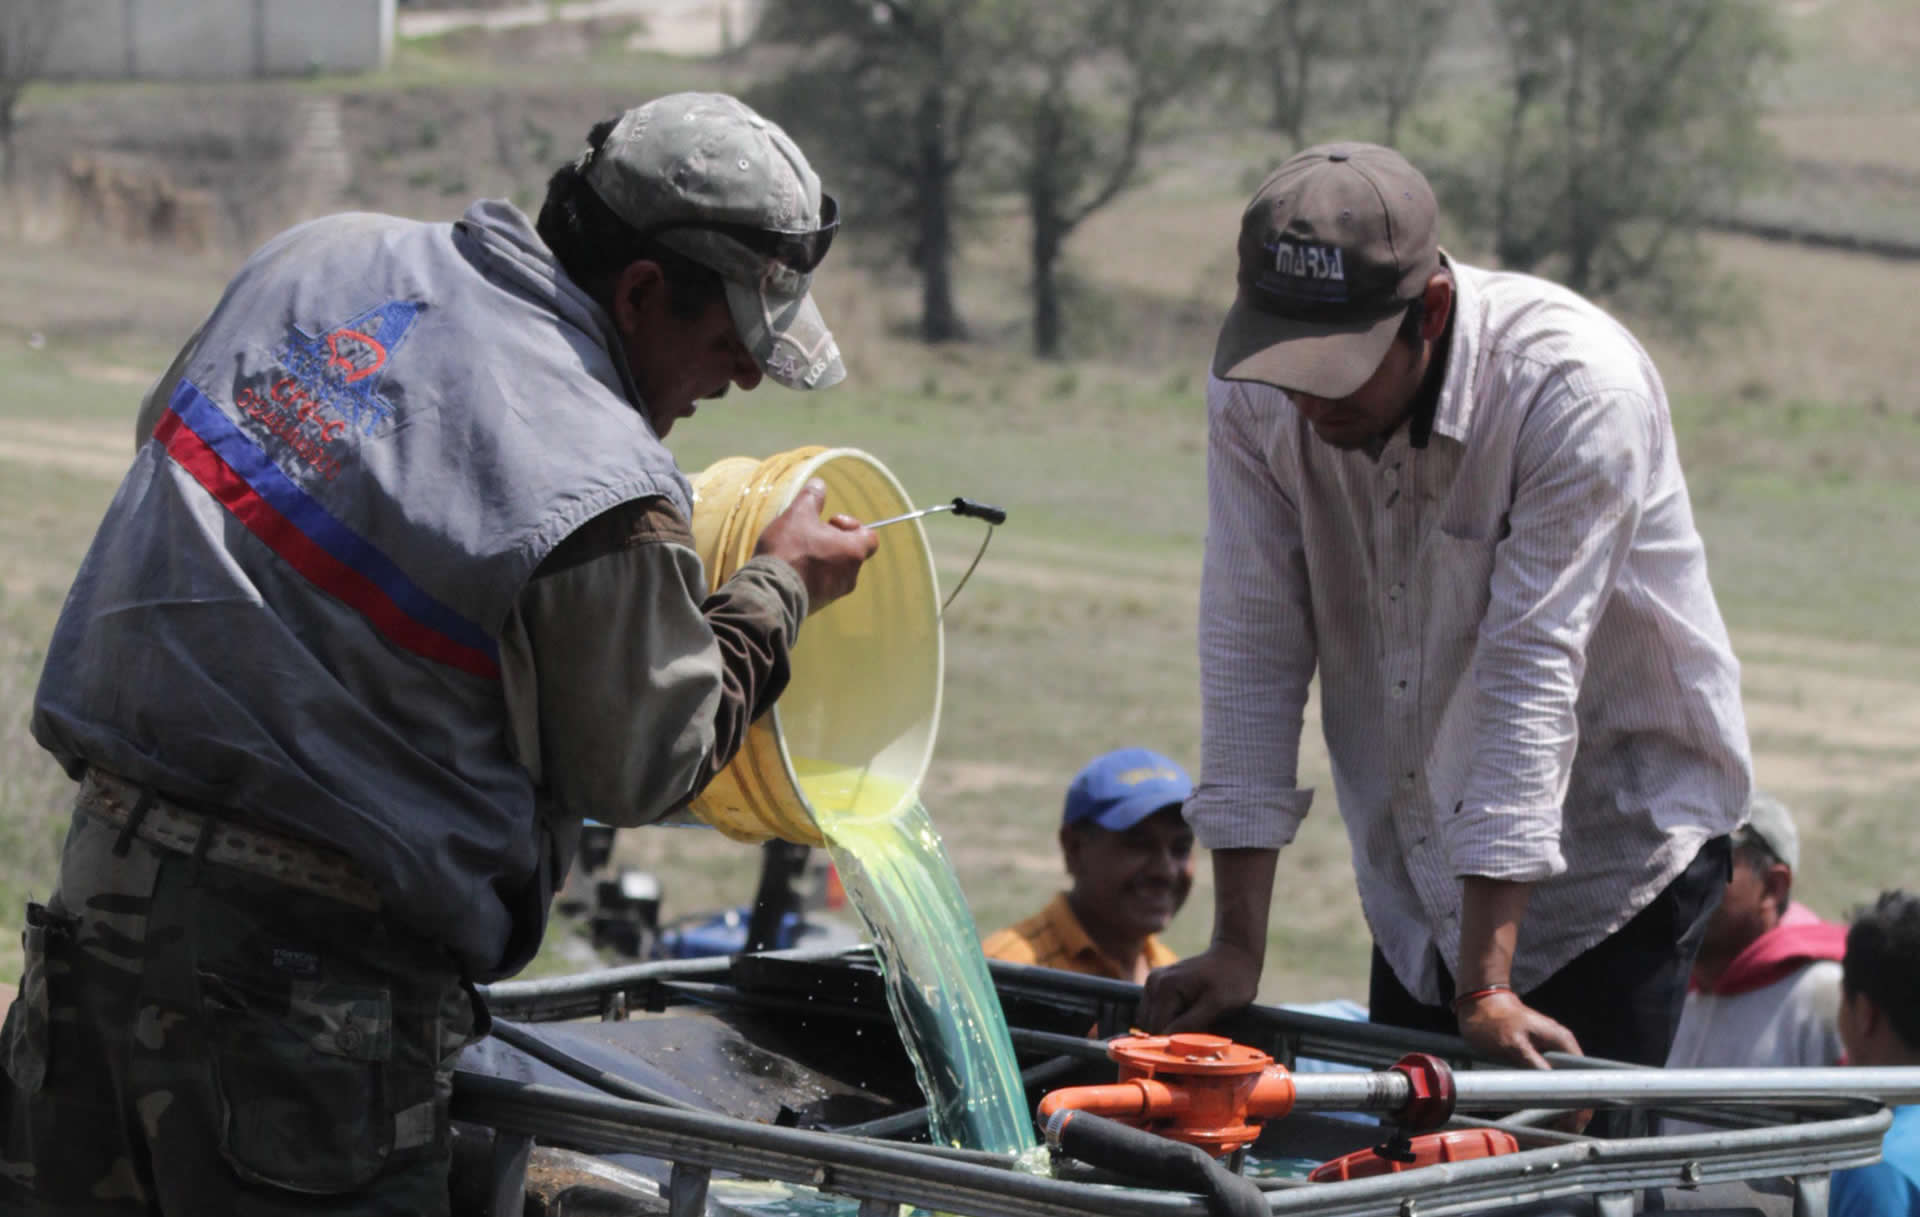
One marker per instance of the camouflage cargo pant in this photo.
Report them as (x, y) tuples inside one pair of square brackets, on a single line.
[(193, 1039)]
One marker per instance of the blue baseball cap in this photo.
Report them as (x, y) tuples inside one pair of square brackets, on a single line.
[(1120, 789)]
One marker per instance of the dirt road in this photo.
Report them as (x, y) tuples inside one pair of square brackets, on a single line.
[(673, 27)]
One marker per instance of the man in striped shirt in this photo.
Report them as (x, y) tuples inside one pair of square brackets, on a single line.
[(1455, 493)]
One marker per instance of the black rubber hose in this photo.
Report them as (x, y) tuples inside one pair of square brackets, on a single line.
[(1135, 1154), (915, 1120)]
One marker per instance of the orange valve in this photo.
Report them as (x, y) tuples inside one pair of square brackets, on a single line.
[(1461, 1145), (1203, 1090)]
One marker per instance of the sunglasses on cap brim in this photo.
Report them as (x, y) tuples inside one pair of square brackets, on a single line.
[(799, 251)]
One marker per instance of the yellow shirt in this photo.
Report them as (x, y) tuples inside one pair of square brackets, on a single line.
[(1054, 938)]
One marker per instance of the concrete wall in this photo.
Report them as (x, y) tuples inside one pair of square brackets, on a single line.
[(219, 39), (91, 40)]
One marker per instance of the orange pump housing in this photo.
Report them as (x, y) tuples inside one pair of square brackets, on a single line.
[(1203, 1090)]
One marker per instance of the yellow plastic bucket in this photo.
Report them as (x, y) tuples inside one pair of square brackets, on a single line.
[(854, 731)]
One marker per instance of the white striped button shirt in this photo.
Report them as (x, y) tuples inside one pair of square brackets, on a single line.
[(1523, 671)]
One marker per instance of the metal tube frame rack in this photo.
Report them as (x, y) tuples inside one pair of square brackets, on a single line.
[(1806, 1123)]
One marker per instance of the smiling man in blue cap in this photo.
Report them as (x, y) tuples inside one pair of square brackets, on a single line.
[(1130, 856)]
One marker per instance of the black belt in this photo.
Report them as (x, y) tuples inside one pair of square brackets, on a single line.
[(167, 824)]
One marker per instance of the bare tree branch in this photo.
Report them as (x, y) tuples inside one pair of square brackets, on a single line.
[(27, 28), (1627, 120)]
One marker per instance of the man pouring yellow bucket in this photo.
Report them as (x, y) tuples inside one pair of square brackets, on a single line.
[(401, 585)]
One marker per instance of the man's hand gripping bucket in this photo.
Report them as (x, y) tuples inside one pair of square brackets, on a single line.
[(854, 731)]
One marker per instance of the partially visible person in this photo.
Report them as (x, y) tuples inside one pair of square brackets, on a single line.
[(1129, 854), (1880, 1024), (400, 588), (1766, 985), (1451, 496)]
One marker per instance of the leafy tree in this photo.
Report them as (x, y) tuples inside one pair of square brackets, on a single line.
[(1093, 86), (1291, 39), (26, 30), (1393, 47), (891, 97), (1626, 125)]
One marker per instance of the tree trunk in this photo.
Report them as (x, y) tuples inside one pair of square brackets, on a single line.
[(1048, 325), (1043, 209), (1395, 109), (6, 137), (1506, 244), (1580, 236), (1280, 119), (939, 316)]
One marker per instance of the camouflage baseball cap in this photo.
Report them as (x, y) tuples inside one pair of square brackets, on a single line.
[(1334, 247), (706, 176)]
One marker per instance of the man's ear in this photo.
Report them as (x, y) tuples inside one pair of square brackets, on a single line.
[(1872, 1018), (1439, 306), (1777, 878), (1070, 847), (639, 292)]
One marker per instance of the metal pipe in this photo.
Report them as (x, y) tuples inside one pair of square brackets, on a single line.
[(582, 993), (915, 1120), (1050, 1042), (828, 1161), (1578, 1087), (959, 507), (868, 1170), (571, 1065), (1264, 1027), (1499, 1089)]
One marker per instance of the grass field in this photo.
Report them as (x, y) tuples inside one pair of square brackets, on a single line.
[(1076, 633), (1800, 432)]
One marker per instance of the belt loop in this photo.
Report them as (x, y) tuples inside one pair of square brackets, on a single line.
[(209, 828), (141, 806)]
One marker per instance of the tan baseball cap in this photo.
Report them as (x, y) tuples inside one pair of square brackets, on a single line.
[(706, 176), (1336, 244), (1770, 820)]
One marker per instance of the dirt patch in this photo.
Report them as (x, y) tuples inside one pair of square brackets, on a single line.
[(132, 201), (112, 373), (93, 451), (980, 777), (672, 27), (1821, 724)]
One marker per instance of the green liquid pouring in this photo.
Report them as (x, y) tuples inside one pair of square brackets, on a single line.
[(899, 878)]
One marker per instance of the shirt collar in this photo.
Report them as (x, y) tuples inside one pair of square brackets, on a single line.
[(1426, 402), (1453, 412), (1075, 941), (1068, 931)]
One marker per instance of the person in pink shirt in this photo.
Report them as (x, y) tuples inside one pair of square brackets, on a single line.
[(1765, 988)]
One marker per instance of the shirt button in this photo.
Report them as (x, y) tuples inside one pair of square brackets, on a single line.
[(1406, 779), (1392, 475), (1399, 688), (1394, 592)]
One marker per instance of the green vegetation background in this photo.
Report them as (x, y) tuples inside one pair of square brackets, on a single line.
[(1799, 429)]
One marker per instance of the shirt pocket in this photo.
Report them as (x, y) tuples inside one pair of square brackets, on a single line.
[(300, 1072), (1458, 576)]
